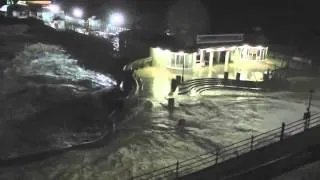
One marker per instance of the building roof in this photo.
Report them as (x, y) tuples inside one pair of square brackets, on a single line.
[(155, 40), (175, 46)]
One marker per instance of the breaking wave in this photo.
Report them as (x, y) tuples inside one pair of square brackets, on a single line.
[(43, 63)]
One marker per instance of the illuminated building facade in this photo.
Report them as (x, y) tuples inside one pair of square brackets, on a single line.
[(22, 9), (209, 51), (34, 2)]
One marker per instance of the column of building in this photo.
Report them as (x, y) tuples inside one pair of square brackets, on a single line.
[(266, 53), (218, 56), (201, 57), (211, 59), (210, 63), (194, 60), (226, 61)]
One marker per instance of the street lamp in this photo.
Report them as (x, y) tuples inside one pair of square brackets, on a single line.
[(182, 79), (307, 114), (117, 19), (77, 12), (310, 99)]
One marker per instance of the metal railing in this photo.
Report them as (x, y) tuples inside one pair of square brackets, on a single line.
[(200, 85), (197, 163), (140, 63)]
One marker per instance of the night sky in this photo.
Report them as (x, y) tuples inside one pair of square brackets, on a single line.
[(251, 12), (282, 20), (275, 16)]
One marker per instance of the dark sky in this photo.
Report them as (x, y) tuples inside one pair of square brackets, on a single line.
[(298, 18), (252, 12), (302, 10), (285, 16), (268, 10)]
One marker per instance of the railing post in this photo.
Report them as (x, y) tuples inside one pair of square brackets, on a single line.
[(306, 118), (174, 84), (182, 78), (282, 131), (130, 174), (251, 143), (217, 156), (177, 169)]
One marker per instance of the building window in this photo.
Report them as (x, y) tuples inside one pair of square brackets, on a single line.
[(176, 61), (206, 57), (180, 60), (198, 59), (173, 60), (253, 53), (187, 63)]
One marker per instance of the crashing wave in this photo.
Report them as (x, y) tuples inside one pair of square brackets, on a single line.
[(49, 63)]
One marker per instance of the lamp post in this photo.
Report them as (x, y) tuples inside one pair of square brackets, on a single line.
[(116, 19), (310, 99), (77, 12), (182, 78), (307, 114)]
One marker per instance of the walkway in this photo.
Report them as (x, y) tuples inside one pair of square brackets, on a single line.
[(285, 142)]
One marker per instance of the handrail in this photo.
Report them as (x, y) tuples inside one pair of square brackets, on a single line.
[(207, 83), (137, 63), (204, 160), (314, 122)]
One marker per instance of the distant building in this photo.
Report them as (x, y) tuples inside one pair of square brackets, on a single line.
[(4, 9), (58, 23), (135, 44), (18, 11), (209, 50), (33, 2)]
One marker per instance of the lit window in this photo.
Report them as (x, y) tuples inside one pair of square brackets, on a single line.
[(173, 58), (181, 60), (187, 62)]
